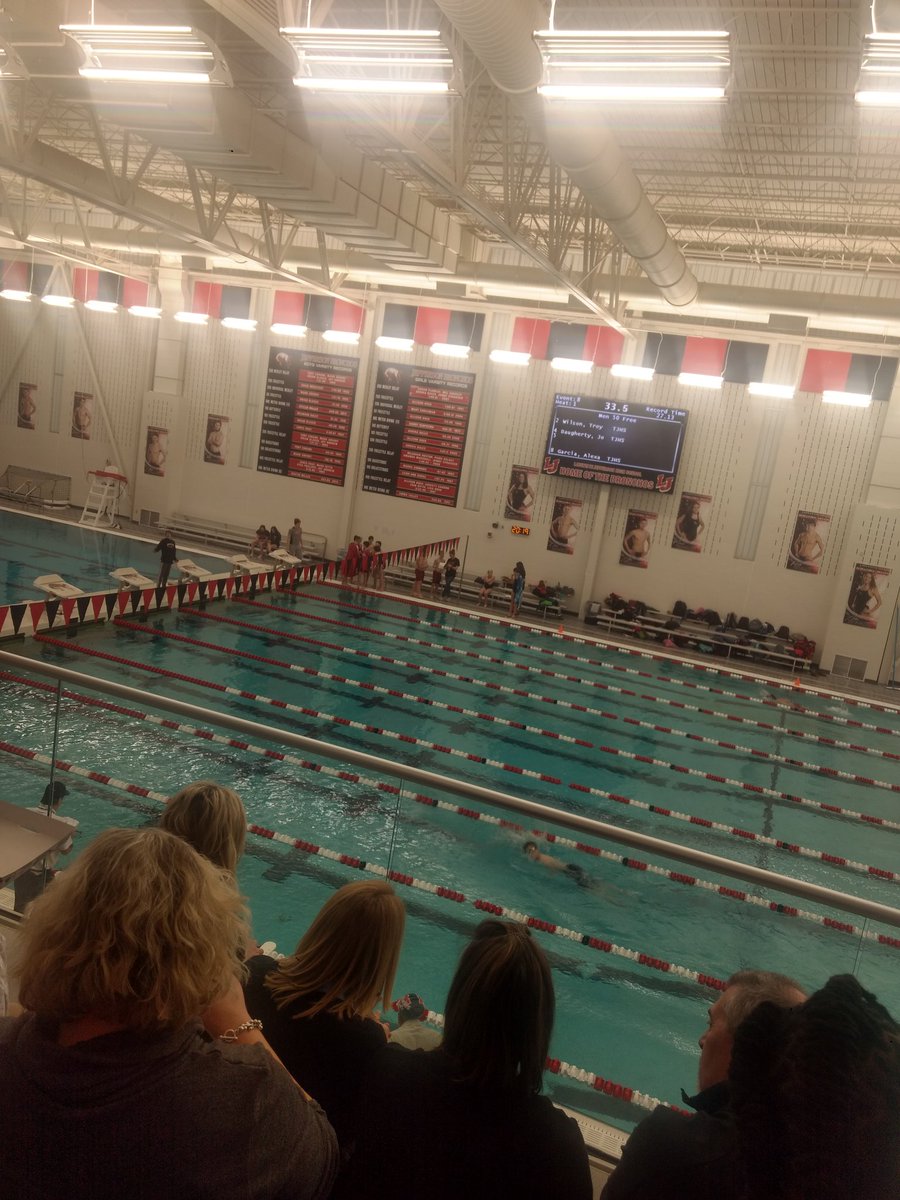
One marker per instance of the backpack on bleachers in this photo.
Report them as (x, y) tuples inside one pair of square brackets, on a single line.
[(783, 634), (679, 609)]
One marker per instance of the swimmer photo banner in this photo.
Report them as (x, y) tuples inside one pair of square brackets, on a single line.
[(215, 446), (564, 525), (417, 435), (520, 494), (27, 407), (82, 415), (864, 599), (156, 451), (637, 541), (307, 415), (691, 522), (808, 542)]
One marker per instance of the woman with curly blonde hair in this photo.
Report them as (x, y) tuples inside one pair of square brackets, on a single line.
[(136, 1069), (318, 1004), (211, 818)]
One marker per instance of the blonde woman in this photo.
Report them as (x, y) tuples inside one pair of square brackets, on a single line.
[(136, 1069), (318, 1004), (211, 818)]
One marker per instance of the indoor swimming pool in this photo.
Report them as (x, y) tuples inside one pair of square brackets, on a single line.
[(796, 781)]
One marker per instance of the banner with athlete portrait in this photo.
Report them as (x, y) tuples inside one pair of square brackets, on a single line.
[(520, 494), (82, 415), (808, 542), (27, 408), (156, 451), (637, 540), (691, 522), (216, 444), (864, 598), (564, 525)]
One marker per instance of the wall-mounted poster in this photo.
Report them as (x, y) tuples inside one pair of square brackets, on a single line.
[(520, 494), (27, 407), (864, 599), (216, 439), (564, 525), (637, 539), (417, 437), (693, 512), (307, 415), (82, 415), (808, 542), (156, 451)]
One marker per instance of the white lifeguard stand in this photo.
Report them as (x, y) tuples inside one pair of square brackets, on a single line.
[(102, 504)]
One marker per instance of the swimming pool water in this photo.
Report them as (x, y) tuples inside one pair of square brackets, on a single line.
[(616, 1017)]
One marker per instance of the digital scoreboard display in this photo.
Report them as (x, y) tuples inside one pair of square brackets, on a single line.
[(614, 441)]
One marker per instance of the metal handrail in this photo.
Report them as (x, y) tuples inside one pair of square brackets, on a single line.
[(868, 909)]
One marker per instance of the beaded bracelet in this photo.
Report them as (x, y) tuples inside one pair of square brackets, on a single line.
[(232, 1035)]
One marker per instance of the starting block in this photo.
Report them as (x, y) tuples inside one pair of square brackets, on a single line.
[(55, 585), (128, 577), (190, 570), (285, 559), (241, 565)]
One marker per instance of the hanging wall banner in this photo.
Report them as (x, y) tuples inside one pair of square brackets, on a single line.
[(564, 525), (156, 451), (216, 443), (82, 415), (638, 538), (27, 408), (417, 437), (520, 494), (307, 415), (808, 542), (864, 599), (690, 524)]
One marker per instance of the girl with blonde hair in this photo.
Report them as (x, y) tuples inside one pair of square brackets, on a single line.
[(211, 818), (136, 1069), (318, 1004)]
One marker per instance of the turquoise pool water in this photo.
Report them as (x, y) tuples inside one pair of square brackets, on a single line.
[(617, 1017)]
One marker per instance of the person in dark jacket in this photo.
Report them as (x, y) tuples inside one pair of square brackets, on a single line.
[(167, 552)]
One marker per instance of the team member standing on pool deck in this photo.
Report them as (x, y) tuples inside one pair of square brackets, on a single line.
[(517, 588), (165, 548), (420, 566)]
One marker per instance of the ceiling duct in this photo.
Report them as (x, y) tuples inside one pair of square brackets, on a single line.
[(500, 34)]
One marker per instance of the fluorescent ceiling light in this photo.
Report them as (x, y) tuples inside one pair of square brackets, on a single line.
[(145, 310), (628, 371), (394, 343), (288, 330), (380, 61), (707, 381), (582, 365), (879, 76), (106, 306), (851, 399), (782, 391), (345, 336), (245, 323), (192, 318), (58, 301), (513, 358), (626, 64), (15, 294), (148, 54), (449, 350)]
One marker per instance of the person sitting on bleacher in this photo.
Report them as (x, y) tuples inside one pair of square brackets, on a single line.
[(259, 547), (135, 1070), (488, 583)]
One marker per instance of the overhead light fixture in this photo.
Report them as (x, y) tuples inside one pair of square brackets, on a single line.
[(623, 64), (690, 379), (851, 399), (145, 310), (148, 54), (376, 61), (513, 358), (346, 336), (879, 76), (629, 371), (781, 391), (15, 294), (58, 301), (394, 343), (192, 318), (288, 330), (247, 324), (104, 306), (582, 365), (449, 350)]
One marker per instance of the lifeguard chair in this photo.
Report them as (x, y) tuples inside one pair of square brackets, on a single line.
[(101, 508)]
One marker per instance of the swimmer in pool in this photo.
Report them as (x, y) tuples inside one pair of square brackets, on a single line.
[(581, 877)]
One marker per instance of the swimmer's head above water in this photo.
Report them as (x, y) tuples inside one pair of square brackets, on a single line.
[(530, 849)]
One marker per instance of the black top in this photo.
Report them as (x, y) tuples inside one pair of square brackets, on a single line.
[(670, 1156), (326, 1054), (424, 1136), (167, 548)]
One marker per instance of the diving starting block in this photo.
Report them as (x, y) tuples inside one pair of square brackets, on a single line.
[(56, 586), (241, 565), (190, 570), (128, 577), (286, 560)]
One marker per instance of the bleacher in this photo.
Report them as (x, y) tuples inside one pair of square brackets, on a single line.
[(465, 589), (237, 537)]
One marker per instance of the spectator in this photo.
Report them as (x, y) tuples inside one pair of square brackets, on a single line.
[(351, 562), (670, 1155), (295, 539), (118, 1089), (437, 571), (517, 587), (168, 553), (211, 818), (488, 583), (31, 883), (420, 567), (816, 1097), (410, 1031), (473, 1124), (377, 567), (259, 547), (365, 561), (450, 569), (317, 1005), (274, 538)]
